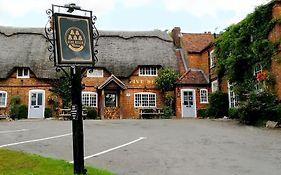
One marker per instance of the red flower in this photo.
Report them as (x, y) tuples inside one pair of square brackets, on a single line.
[(261, 76)]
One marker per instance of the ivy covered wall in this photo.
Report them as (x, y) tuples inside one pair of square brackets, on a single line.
[(243, 46)]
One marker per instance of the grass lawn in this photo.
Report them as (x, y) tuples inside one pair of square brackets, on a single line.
[(20, 163)]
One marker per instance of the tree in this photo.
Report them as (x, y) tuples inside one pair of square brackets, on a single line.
[(62, 88), (166, 79)]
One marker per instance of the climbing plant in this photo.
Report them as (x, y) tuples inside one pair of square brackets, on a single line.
[(241, 46)]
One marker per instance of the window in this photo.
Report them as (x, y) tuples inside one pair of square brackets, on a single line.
[(212, 59), (258, 74), (144, 99), (94, 73), (22, 73), (110, 99), (89, 99), (3, 99), (215, 86), (232, 98), (203, 95), (148, 71)]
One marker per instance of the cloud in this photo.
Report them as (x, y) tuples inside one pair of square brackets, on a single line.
[(205, 8), (19, 8)]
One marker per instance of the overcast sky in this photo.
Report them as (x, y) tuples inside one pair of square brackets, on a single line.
[(191, 15)]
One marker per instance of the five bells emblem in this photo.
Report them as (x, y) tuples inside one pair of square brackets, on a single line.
[(75, 39)]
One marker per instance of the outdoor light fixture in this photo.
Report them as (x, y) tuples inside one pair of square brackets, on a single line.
[(71, 7)]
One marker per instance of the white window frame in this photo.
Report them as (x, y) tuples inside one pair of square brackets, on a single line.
[(141, 100), (256, 71), (204, 97), (212, 59), (89, 93), (148, 71), (94, 75), (6, 98), (232, 97), (22, 70), (215, 88)]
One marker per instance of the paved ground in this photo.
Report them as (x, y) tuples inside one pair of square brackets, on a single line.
[(155, 147)]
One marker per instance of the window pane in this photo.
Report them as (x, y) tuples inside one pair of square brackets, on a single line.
[(25, 71), (2, 99), (33, 99), (110, 100), (145, 100), (40, 99), (89, 99), (95, 73), (137, 100), (20, 70)]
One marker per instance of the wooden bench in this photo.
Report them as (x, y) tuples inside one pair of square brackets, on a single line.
[(65, 113), (151, 111), (4, 116)]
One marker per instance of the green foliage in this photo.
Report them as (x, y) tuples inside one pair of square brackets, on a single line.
[(91, 113), (218, 104), (245, 44), (233, 113), (203, 113), (259, 107), (166, 79), (22, 112), (48, 113), (168, 112), (14, 107), (61, 87)]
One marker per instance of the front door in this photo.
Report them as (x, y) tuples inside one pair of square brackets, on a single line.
[(188, 103), (36, 105)]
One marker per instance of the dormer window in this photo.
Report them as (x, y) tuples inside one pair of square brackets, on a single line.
[(94, 73), (148, 71), (23, 72)]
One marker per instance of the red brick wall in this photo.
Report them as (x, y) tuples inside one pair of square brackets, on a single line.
[(275, 36), (179, 102), (134, 84), (20, 87), (199, 61)]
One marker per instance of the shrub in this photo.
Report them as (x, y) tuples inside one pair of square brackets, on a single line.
[(259, 107), (203, 113), (218, 105), (166, 79), (167, 112), (91, 113), (14, 107), (22, 112), (48, 113), (233, 113)]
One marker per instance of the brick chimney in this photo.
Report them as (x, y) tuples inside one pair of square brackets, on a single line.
[(176, 34)]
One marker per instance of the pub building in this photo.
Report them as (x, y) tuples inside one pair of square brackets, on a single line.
[(121, 83)]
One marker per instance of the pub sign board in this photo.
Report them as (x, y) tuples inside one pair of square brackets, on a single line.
[(74, 38)]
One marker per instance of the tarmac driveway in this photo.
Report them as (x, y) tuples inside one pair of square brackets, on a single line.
[(155, 147)]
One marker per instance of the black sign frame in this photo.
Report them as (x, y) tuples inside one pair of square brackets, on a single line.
[(67, 52)]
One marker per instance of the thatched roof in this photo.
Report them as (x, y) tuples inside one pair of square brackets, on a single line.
[(22, 47), (119, 52)]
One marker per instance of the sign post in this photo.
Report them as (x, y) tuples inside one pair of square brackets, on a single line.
[(71, 40), (77, 122)]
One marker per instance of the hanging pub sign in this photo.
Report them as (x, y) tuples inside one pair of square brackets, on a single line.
[(74, 40)]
